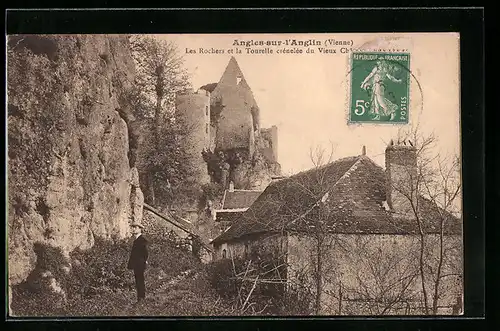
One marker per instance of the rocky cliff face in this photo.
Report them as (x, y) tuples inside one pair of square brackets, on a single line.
[(69, 175)]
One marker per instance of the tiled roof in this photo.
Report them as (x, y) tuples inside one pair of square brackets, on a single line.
[(355, 203), (285, 199), (239, 199), (231, 217)]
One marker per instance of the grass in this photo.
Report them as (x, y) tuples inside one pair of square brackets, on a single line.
[(100, 285), (188, 297), (177, 284)]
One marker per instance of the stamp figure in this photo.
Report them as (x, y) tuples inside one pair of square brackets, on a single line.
[(380, 88)]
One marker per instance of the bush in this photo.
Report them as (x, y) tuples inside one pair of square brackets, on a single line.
[(221, 277), (98, 282), (102, 266), (165, 255), (233, 280), (33, 303), (271, 296)]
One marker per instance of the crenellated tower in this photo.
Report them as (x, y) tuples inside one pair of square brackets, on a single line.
[(237, 111), (194, 109), (237, 148)]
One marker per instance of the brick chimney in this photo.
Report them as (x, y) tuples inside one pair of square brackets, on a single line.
[(401, 174), (231, 186)]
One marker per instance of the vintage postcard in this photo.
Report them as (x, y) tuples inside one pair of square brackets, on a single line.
[(234, 175)]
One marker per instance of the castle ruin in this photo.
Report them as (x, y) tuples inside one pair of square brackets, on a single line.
[(226, 142)]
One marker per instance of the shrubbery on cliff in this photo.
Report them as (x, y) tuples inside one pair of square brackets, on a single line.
[(94, 274)]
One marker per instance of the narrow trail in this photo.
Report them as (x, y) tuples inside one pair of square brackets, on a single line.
[(165, 299)]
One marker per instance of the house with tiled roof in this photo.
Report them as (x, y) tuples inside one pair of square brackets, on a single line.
[(355, 215), (234, 203)]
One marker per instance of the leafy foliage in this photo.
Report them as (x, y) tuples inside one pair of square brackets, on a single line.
[(221, 276), (103, 266), (211, 191), (160, 73), (164, 164)]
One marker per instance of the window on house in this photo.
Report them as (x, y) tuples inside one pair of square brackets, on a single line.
[(206, 110), (247, 250), (224, 254), (238, 80), (206, 128)]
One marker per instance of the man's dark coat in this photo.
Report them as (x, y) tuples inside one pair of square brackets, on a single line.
[(137, 262)]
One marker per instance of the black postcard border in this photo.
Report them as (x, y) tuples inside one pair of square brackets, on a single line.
[(468, 22)]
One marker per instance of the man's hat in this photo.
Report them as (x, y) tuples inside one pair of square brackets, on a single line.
[(136, 224)]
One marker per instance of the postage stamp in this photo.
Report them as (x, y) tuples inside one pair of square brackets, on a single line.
[(380, 88)]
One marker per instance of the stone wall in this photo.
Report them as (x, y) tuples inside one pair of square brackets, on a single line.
[(274, 244), (270, 136), (362, 274), (235, 128), (376, 274)]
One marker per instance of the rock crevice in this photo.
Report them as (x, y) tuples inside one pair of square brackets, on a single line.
[(69, 175)]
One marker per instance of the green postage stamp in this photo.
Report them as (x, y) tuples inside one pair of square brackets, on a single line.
[(380, 88)]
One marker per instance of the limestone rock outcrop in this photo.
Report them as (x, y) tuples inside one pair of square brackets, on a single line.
[(69, 176)]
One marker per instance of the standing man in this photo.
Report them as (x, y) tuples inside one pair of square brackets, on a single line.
[(138, 259)]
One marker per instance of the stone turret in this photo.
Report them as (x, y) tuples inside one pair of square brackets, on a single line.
[(194, 107), (236, 131), (240, 114)]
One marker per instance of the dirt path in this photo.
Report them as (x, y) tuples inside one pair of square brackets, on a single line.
[(167, 299)]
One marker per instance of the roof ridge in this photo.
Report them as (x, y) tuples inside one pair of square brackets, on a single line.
[(365, 157), (351, 168), (291, 177), (326, 191), (232, 210), (357, 158)]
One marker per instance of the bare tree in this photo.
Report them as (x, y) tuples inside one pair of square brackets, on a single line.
[(430, 193), (383, 277), (386, 274), (314, 224), (443, 191)]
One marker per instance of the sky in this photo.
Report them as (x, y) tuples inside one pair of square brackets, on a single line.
[(306, 95)]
